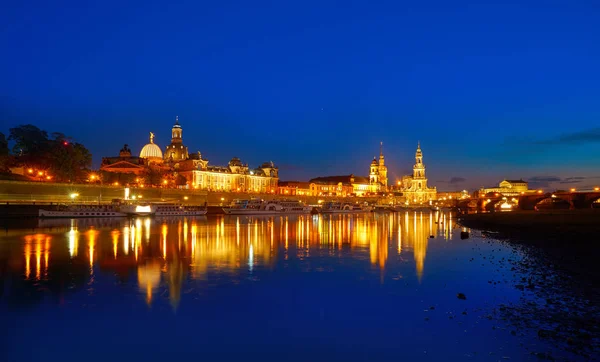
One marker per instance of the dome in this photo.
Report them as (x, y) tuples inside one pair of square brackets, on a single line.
[(374, 162), (151, 150)]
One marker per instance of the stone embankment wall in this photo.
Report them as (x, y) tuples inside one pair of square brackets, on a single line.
[(13, 193)]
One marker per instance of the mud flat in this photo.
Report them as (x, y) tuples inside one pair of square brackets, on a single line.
[(570, 238)]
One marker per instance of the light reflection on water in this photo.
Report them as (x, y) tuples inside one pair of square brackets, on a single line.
[(378, 270), (161, 249)]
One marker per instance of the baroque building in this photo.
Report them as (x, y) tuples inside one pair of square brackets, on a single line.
[(508, 188), (124, 163), (176, 151), (351, 185), (378, 171), (236, 176), (414, 188)]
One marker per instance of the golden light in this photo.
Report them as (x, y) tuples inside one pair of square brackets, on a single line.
[(48, 177), (30, 170), (92, 177), (222, 199), (540, 191), (165, 182), (40, 173), (116, 184), (596, 188), (185, 197), (73, 195), (139, 196), (572, 190), (399, 183), (137, 179)]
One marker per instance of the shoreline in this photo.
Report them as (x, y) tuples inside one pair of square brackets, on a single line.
[(567, 237)]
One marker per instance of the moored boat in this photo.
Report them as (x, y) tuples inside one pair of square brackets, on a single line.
[(292, 206), (179, 210), (79, 211), (252, 207), (336, 207)]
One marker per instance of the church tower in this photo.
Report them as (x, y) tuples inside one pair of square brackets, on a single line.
[(382, 168), (374, 173), (176, 151), (419, 179)]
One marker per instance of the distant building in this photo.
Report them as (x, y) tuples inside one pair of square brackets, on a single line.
[(151, 151), (236, 176), (350, 185), (125, 163), (293, 188), (508, 188), (414, 188)]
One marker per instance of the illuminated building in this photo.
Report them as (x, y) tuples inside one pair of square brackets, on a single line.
[(508, 188), (294, 188), (350, 185), (125, 163), (235, 177), (176, 151), (414, 188), (453, 195), (378, 171)]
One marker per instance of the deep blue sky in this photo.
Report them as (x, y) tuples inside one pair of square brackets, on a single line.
[(492, 91)]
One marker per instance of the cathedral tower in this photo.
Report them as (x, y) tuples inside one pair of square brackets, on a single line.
[(419, 169), (382, 168)]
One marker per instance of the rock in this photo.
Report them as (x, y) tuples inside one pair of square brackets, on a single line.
[(461, 296)]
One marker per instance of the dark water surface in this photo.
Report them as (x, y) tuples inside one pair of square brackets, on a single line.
[(305, 288)]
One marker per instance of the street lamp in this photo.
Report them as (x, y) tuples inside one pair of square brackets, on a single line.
[(73, 196)]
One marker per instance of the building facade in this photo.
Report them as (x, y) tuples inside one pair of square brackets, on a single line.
[(235, 177), (508, 188), (414, 188), (294, 188), (125, 163)]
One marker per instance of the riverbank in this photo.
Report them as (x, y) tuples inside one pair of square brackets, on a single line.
[(567, 237)]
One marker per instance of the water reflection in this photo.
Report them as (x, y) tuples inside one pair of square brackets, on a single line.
[(164, 253)]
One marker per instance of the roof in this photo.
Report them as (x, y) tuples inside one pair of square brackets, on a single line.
[(298, 184), (516, 181), (338, 179), (151, 150)]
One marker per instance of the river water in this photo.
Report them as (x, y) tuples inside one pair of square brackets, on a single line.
[(303, 288)]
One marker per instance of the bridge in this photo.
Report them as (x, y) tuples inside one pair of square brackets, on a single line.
[(575, 200)]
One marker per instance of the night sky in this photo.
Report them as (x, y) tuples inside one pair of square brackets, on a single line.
[(499, 90)]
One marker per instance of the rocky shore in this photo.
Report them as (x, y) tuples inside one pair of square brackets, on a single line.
[(568, 237)]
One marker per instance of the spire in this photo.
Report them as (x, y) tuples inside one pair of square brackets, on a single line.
[(381, 149), (151, 137), (418, 145), (176, 119)]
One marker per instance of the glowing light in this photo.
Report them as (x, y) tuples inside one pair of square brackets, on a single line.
[(40, 173), (185, 197), (73, 195), (165, 182), (506, 206), (573, 190), (146, 209), (127, 193), (73, 233), (30, 170), (540, 191), (596, 188), (116, 184)]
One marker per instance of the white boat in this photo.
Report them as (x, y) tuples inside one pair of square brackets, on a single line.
[(77, 211), (336, 207), (179, 210), (252, 207), (292, 206)]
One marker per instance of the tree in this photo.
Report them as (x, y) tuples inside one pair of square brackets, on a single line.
[(3, 145), (69, 161), (28, 139)]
